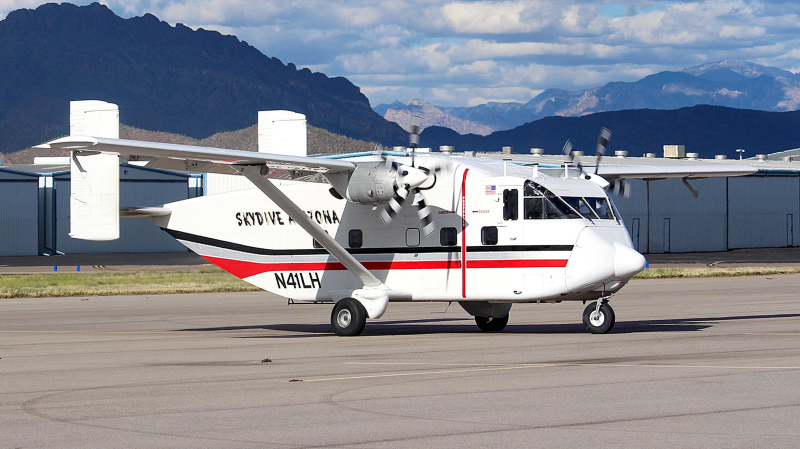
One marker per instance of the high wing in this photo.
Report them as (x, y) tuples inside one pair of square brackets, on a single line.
[(202, 159), (694, 171), (256, 167)]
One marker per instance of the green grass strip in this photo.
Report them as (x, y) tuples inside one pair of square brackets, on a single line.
[(146, 282), (664, 273)]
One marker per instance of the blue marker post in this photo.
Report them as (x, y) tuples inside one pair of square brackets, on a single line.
[(79, 268), (55, 267)]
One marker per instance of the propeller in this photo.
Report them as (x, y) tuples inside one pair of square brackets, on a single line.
[(602, 143), (409, 183)]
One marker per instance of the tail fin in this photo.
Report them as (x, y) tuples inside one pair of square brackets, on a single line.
[(282, 132), (94, 196)]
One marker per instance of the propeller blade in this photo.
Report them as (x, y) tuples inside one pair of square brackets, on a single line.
[(395, 205), (602, 143), (426, 216), (567, 150)]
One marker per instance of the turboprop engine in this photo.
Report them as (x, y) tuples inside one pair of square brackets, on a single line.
[(379, 182)]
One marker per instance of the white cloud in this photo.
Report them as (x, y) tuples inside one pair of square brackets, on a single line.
[(463, 52)]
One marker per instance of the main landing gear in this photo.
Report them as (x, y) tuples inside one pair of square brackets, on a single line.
[(348, 318), (598, 317), (489, 324)]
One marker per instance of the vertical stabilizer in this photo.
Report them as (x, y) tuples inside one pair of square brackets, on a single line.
[(282, 132), (94, 196)]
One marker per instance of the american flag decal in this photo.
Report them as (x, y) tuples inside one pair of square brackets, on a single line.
[(491, 190)]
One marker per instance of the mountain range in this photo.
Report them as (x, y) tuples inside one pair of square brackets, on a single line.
[(164, 78), (703, 129), (734, 84)]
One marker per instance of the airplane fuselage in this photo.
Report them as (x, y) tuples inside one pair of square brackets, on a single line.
[(499, 236)]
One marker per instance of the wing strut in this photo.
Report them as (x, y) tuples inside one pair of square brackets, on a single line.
[(375, 294)]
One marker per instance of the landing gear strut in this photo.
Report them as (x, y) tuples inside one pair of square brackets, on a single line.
[(348, 318), (598, 317)]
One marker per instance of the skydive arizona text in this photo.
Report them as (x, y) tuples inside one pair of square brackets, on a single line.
[(278, 219)]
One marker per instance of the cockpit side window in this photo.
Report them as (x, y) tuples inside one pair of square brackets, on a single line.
[(540, 203), (510, 204)]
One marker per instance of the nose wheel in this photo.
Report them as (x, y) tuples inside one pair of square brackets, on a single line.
[(598, 317)]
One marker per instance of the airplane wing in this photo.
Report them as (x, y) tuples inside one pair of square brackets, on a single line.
[(201, 159), (693, 171)]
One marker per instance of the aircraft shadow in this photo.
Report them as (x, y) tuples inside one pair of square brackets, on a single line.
[(467, 325)]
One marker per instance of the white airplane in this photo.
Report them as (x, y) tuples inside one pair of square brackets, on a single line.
[(363, 232)]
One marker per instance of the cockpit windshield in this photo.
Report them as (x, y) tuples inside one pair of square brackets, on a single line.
[(540, 203)]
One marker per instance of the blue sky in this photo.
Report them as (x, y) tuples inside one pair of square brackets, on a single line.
[(464, 53)]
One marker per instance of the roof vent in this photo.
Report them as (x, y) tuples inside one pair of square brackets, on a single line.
[(576, 153), (675, 151), (621, 153), (538, 151), (508, 150), (651, 155), (693, 156), (761, 157), (447, 149), (720, 157)]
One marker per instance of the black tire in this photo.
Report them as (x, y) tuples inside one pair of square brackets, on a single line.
[(490, 324), (601, 323), (348, 318)]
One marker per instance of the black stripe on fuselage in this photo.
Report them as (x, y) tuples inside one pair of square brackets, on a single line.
[(194, 238)]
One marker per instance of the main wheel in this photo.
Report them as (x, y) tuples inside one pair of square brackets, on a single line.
[(348, 317), (598, 322), (490, 324)]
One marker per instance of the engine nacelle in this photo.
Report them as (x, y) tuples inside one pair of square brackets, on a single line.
[(372, 183)]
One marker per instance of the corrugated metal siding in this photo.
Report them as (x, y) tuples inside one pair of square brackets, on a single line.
[(764, 211), (681, 223), (217, 183), (136, 235), (633, 207), (19, 215)]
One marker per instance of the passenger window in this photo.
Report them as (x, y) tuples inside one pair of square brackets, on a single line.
[(510, 204), (489, 235), (317, 244), (355, 238), (412, 237), (448, 237)]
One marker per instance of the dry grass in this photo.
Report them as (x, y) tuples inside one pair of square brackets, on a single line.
[(153, 282), (149, 282), (663, 273)]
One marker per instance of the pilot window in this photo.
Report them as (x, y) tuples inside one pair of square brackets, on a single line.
[(510, 204), (540, 203), (448, 237), (489, 235), (355, 239)]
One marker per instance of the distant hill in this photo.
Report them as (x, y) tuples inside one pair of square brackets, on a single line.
[(164, 78), (320, 141), (707, 130), (734, 84)]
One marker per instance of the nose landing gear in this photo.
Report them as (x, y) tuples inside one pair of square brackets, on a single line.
[(598, 317)]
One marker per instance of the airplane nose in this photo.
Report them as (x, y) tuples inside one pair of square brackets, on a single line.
[(627, 261)]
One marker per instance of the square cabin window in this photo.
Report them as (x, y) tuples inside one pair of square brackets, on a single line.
[(412, 237), (448, 237), (355, 239), (489, 235)]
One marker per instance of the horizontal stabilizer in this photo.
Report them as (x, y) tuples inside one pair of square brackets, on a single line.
[(144, 212)]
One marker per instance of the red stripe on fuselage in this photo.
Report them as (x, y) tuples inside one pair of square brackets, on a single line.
[(243, 269)]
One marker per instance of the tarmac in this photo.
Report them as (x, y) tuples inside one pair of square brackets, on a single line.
[(712, 362), (91, 263)]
